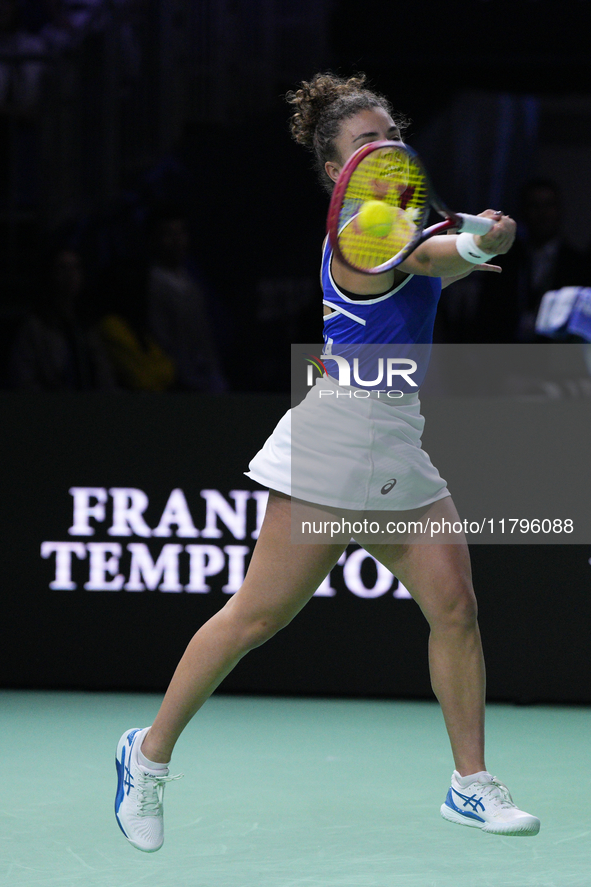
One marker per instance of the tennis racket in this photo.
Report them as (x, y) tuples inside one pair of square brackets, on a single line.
[(380, 206)]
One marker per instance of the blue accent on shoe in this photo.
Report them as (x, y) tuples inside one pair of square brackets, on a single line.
[(128, 779), (121, 827), (124, 777), (120, 765), (475, 804), (473, 801)]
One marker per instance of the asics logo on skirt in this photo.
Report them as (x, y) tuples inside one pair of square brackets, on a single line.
[(388, 486)]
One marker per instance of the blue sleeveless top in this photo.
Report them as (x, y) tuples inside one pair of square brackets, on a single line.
[(403, 316)]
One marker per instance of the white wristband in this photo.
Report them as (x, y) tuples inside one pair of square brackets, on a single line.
[(466, 246)]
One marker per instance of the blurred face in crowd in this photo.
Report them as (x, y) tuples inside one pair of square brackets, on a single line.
[(172, 242), (541, 214)]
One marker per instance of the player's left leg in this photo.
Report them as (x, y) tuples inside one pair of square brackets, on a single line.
[(438, 576)]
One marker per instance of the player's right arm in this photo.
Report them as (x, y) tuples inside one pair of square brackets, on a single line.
[(438, 256)]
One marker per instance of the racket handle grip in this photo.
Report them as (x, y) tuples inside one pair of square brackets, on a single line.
[(475, 224)]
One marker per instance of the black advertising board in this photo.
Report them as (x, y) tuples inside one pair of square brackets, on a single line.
[(128, 521)]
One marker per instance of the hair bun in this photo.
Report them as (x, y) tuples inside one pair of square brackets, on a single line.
[(312, 99)]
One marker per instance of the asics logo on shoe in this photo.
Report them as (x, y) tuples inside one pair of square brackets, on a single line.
[(473, 802), (388, 486), (128, 780), (131, 737)]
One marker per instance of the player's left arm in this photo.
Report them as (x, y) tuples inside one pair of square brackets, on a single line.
[(438, 256)]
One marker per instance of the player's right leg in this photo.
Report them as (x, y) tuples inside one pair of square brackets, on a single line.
[(281, 578)]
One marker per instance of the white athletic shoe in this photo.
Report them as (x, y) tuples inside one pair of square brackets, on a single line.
[(487, 804), (138, 802)]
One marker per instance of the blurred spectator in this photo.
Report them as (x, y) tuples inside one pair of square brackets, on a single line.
[(22, 76), (22, 63), (139, 362), (540, 260), (58, 347), (179, 316), (72, 21)]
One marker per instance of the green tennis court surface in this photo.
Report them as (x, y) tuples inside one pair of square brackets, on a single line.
[(288, 793)]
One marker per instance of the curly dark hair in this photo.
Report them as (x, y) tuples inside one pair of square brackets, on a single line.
[(321, 105)]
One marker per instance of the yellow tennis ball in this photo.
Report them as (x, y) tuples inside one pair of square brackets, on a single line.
[(376, 218)]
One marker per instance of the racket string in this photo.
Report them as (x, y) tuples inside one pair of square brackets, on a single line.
[(391, 176)]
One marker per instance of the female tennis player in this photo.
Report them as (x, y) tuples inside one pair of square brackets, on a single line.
[(334, 117)]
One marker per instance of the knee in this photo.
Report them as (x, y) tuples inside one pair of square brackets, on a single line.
[(457, 609), (252, 629), (262, 629)]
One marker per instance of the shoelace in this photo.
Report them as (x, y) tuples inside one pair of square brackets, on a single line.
[(497, 789), (150, 790)]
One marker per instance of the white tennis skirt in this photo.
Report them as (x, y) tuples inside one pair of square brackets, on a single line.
[(342, 448)]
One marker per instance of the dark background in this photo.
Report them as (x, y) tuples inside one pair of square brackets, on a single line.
[(183, 100)]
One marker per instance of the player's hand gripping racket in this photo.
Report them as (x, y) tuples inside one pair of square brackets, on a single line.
[(380, 206)]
